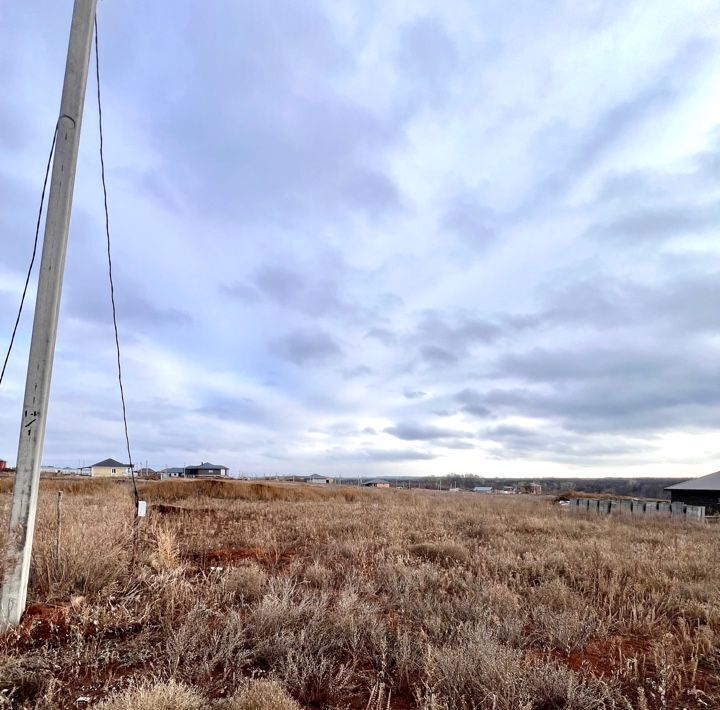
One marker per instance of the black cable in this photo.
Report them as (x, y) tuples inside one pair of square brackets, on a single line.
[(110, 274), (34, 252)]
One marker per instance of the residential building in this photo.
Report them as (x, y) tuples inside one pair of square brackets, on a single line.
[(316, 479), (698, 491), (176, 472), (377, 483), (108, 468), (57, 471), (205, 470), (483, 489)]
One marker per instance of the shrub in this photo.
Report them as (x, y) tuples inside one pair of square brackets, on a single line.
[(245, 583), (160, 696), (260, 695)]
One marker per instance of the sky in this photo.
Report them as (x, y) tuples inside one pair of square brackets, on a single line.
[(379, 238)]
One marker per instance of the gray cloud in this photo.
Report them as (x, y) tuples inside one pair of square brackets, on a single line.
[(242, 292), (307, 347), (232, 408), (427, 56), (472, 403), (352, 373), (384, 335), (472, 222), (409, 393), (591, 391), (575, 153), (411, 431), (293, 143), (514, 442), (316, 296), (380, 455), (434, 355), (659, 222)]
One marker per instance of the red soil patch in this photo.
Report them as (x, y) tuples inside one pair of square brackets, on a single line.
[(42, 622), (41, 625), (399, 701), (601, 657)]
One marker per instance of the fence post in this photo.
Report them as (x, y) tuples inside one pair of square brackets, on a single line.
[(58, 524)]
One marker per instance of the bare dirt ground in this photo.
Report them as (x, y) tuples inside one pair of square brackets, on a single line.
[(252, 596)]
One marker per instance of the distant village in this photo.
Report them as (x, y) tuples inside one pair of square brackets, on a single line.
[(112, 468), (703, 491)]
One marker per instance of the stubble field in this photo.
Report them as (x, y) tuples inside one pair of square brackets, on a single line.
[(258, 596)]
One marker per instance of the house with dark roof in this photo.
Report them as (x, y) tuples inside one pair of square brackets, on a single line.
[(698, 491), (377, 483), (205, 469), (107, 468)]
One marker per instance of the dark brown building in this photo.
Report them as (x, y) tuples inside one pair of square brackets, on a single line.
[(698, 491)]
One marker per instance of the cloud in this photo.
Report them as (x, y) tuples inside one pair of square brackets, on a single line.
[(660, 222), (314, 294), (232, 408), (352, 373), (548, 444), (303, 347), (384, 335), (473, 223), (294, 147), (241, 292), (409, 393), (427, 56), (613, 391), (380, 455), (412, 431), (434, 355), (472, 403), (445, 339)]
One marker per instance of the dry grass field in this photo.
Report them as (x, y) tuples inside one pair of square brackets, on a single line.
[(256, 596)]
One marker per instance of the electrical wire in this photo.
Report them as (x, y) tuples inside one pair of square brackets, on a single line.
[(110, 271), (32, 259)]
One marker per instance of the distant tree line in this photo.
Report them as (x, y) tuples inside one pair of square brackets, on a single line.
[(633, 487)]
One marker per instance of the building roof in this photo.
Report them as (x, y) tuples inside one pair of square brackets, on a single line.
[(316, 475), (173, 469), (376, 480), (483, 488), (110, 463), (205, 466), (711, 482)]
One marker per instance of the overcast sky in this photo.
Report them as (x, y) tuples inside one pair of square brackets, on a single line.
[(380, 237)]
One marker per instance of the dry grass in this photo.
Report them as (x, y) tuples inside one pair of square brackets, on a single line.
[(249, 596)]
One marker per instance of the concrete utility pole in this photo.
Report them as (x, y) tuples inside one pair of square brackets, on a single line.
[(47, 306)]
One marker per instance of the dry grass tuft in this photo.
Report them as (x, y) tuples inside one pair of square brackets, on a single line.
[(440, 551), (261, 695), (245, 583), (161, 696)]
